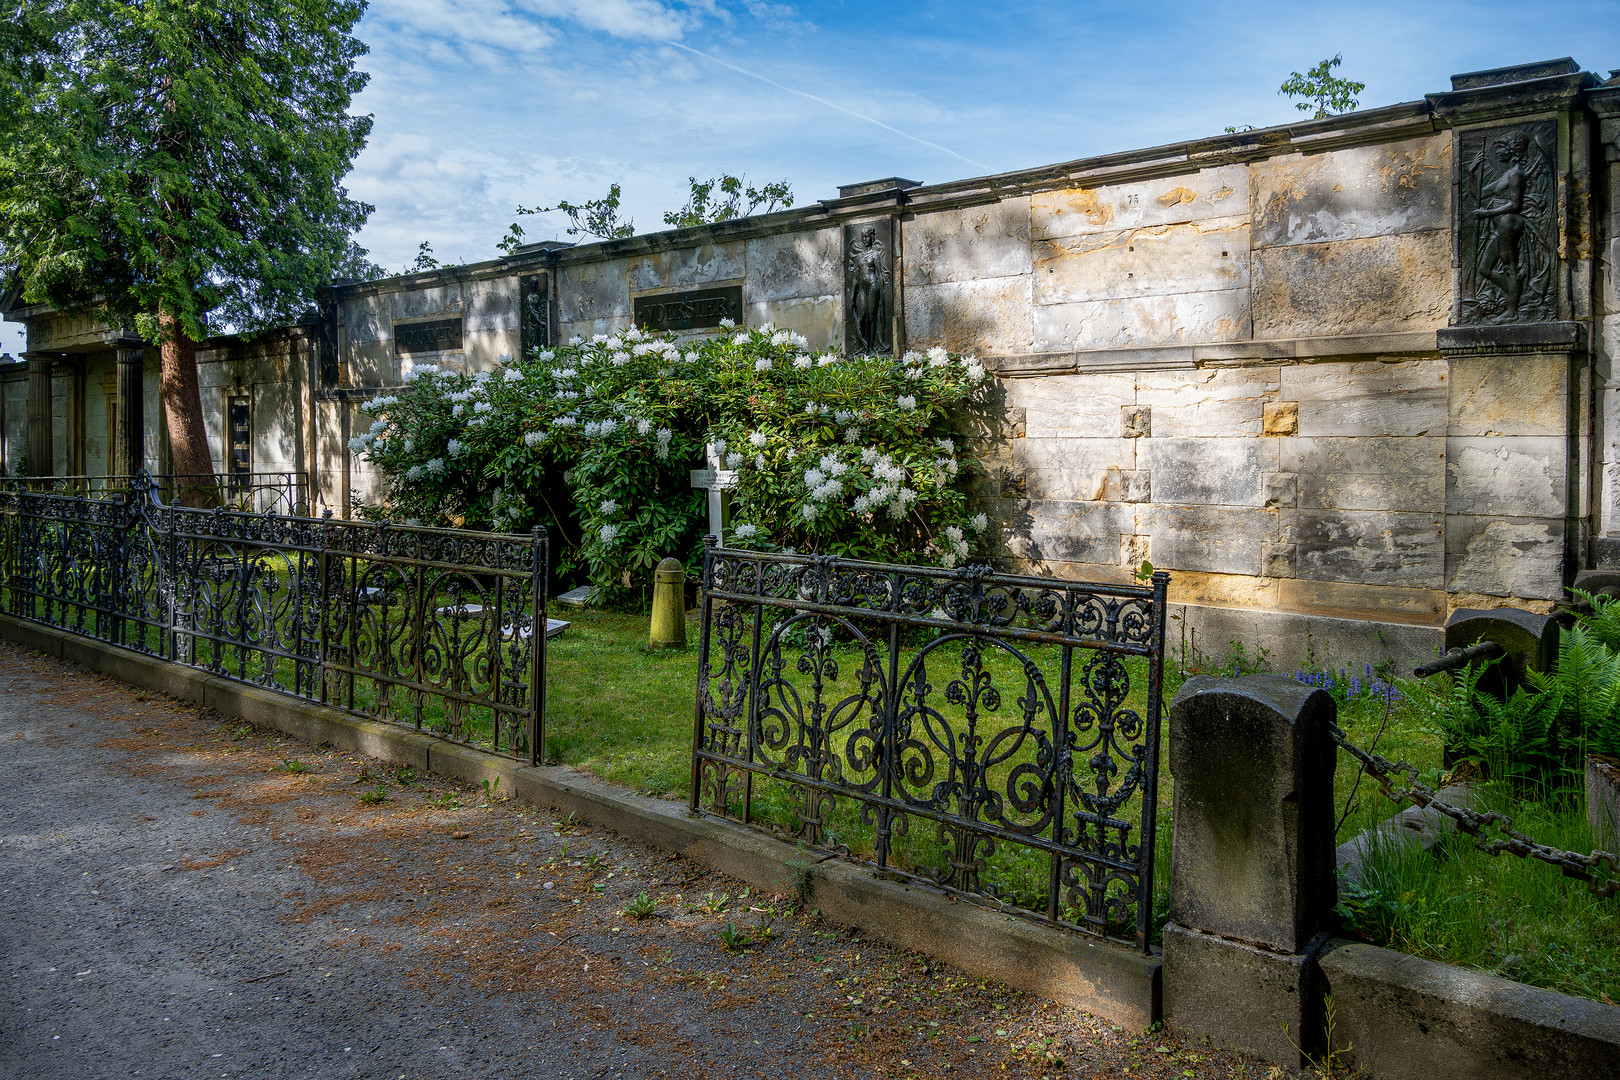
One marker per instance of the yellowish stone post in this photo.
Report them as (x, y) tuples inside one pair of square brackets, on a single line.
[(669, 606)]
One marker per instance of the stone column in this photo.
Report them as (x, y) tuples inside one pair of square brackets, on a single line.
[(129, 440), (1252, 881), (39, 414)]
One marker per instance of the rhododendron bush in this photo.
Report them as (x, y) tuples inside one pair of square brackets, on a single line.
[(855, 456)]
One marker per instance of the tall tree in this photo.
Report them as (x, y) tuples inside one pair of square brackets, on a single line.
[(174, 163)]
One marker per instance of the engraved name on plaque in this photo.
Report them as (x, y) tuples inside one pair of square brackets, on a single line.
[(694, 309), (440, 335)]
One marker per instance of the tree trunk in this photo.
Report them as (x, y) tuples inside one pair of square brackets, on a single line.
[(182, 409)]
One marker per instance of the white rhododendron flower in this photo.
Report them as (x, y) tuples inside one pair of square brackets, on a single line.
[(727, 324), (609, 507), (762, 365), (513, 375), (953, 534), (802, 363), (435, 466), (643, 427), (745, 532), (808, 511), (937, 357), (565, 421), (609, 534), (535, 438), (456, 448), (756, 438), (907, 402)]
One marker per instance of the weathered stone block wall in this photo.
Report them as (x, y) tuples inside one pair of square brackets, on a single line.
[(793, 280), (1230, 372)]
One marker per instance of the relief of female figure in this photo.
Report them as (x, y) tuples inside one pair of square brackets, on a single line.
[(869, 271)]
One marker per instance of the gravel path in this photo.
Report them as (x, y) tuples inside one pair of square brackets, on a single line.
[(182, 896)]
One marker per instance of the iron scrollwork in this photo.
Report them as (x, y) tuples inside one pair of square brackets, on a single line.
[(843, 702), (440, 629)]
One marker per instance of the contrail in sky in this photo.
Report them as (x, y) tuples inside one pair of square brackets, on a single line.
[(831, 105)]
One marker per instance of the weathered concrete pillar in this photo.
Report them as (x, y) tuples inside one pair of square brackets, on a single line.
[(129, 441), (39, 414), (1251, 866)]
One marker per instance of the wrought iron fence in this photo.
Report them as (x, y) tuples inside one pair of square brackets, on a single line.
[(439, 629), (255, 492), (839, 702)]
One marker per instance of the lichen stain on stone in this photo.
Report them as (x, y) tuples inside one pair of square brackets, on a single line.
[(1086, 201), (1176, 197)]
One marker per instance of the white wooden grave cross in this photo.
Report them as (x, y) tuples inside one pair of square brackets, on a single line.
[(718, 481)]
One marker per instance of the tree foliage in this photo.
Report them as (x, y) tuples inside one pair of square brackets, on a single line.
[(173, 164), (180, 156), (1323, 94), (722, 198)]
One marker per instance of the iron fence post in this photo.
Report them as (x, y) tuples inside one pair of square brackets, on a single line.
[(1150, 806), (707, 587), (537, 651)]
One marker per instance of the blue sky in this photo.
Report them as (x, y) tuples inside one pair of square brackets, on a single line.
[(482, 105)]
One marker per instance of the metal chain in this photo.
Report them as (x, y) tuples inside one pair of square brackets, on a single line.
[(1573, 864)]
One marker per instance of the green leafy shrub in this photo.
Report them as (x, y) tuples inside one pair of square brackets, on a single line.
[(1541, 734), (854, 456)]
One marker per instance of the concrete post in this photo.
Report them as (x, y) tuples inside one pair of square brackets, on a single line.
[(39, 415), (129, 441), (1251, 867), (668, 606)]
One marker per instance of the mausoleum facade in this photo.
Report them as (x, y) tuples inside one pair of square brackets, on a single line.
[(1339, 377)]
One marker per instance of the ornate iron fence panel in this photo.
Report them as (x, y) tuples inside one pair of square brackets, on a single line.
[(443, 630), (857, 706), (254, 492)]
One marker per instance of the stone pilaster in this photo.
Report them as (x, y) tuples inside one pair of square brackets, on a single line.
[(1516, 441), (129, 438), (39, 413)]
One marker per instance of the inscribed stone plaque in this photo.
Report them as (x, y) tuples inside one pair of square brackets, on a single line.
[(694, 309), (1507, 227), (869, 287), (440, 335), (534, 313)]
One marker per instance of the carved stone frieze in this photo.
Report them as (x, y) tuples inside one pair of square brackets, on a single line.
[(1507, 227), (869, 287)]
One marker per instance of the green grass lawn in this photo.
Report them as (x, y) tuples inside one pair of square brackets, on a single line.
[(624, 713)]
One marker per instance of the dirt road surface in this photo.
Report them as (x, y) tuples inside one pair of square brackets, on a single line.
[(184, 896)]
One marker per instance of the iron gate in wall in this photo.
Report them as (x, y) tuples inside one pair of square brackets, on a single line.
[(442, 630), (857, 707)]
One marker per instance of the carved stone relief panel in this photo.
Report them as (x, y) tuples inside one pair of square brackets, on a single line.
[(534, 313), (1507, 226), (869, 287)]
